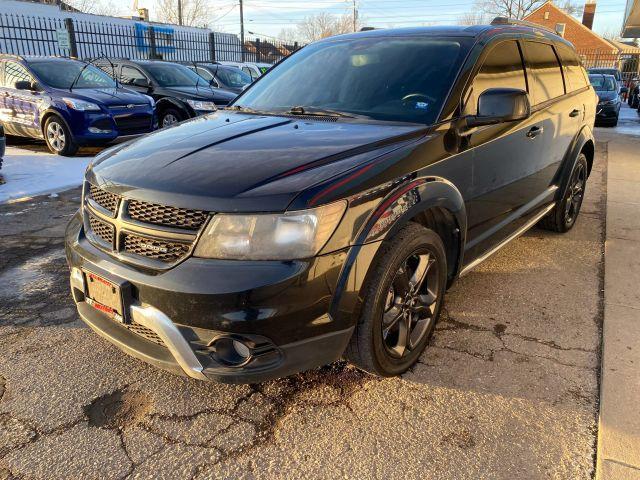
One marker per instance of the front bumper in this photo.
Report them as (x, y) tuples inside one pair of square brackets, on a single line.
[(280, 310), (607, 112)]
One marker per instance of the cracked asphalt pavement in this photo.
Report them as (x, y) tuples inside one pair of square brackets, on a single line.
[(507, 389)]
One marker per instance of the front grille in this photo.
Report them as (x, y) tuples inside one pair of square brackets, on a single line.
[(156, 249), (133, 124), (166, 216), (103, 230), (107, 200), (145, 332)]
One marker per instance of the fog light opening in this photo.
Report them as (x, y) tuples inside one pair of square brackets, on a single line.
[(231, 352), (98, 130)]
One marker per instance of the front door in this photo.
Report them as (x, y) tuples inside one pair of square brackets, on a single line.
[(21, 106)]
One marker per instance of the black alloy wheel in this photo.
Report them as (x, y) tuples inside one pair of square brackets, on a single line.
[(564, 215), (402, 300)]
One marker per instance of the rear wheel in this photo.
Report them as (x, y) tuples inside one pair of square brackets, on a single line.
[(58, 137), (563, 216), (402, 303)]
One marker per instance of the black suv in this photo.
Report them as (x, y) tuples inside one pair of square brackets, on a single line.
[(179, 92), (325, 213)]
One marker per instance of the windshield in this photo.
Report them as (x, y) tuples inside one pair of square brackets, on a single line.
[(385, 78), (173, 75), (603, 84), (604, 71), (62, 75), (233, 77)]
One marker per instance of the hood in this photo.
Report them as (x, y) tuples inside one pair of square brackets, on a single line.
[(202, 92), (606, 95), (228, 161), (107, 96)]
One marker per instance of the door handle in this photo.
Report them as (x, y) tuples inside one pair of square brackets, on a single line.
[(534, 132), (575, 112)]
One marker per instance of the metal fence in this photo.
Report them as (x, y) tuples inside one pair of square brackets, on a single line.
[(72, 37), (627, 63)]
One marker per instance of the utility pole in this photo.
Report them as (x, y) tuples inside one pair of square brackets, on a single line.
[(241, 31), (179, 12), (355, 15)]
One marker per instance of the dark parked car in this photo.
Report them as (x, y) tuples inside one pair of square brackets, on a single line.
[(609, 102), (325, 213), (223, 76), (68, 103), (179, 92), (616, 73)]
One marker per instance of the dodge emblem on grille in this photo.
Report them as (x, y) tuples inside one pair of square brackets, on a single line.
[(155, 248)]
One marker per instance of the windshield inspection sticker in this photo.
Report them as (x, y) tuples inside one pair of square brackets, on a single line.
[(422, 105)]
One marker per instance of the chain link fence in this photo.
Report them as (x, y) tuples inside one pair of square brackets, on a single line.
[(121, 38)]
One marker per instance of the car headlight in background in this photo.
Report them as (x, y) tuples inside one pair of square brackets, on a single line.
[(80, 105), (608, 102), (280, 236), (201, 105)]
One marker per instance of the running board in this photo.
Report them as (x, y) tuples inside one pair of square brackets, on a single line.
[(511, 237)]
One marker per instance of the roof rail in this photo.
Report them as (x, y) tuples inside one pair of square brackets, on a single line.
[(522, 23)]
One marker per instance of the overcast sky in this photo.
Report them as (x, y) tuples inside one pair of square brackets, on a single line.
[(269, 17)]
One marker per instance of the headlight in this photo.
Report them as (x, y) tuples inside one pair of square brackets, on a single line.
[(282, 236), (204, 106), (607, 102), (80, 105)]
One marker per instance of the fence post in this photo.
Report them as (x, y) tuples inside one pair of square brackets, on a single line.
[(73, 46), (258, 50), (212, 47), (152, 44)]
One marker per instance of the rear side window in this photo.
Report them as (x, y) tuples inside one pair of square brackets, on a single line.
[(502, 68), (547, 77), (14, 72), (574, 73)]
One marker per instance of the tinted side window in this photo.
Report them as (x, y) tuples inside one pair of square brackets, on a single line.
[(129, 75), (574, 73), (547, 76), (14, 72), (502, 68)]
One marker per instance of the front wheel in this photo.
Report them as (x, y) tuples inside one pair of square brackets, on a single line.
[(402, 302), (170, 117), (59, 138), (563, 216)]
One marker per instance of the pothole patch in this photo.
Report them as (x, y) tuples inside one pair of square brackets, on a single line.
[(119, 409)]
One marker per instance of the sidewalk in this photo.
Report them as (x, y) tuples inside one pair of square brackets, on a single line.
[(618, 455)]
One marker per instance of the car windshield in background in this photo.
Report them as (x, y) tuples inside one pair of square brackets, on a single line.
[(63, 75), (401, 79), (233, 77), (603, 84), (172, 75)]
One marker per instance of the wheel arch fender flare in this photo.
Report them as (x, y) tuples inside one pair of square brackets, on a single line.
[(45, 114), (170, 102), (396, 210), (582, 142)]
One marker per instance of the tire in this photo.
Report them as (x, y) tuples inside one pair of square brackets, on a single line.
[(564, 215), (58, 137), (170, 117), (398, 264)]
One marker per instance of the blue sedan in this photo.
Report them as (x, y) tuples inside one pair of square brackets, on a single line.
[(69, 104)]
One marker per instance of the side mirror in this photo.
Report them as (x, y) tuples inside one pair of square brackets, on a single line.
[(624, 90), (25, 85), (499, 105), (140, 82)]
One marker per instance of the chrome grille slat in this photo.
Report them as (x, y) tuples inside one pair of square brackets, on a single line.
[(165, 215), (152, 235)]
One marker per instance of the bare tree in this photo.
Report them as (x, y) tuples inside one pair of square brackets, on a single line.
[(571, 8), (289, 35), (324, 25), (96, 7), (195, 13), (508, 8), (473, 18)]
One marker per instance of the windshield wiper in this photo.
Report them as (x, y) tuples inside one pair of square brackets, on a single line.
[(321, 112)]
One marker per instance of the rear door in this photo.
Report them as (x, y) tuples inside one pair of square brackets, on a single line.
[(505, 156), (558, 114), (22, 105)]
